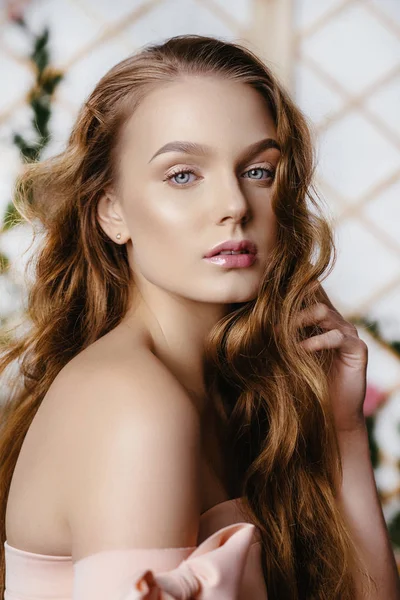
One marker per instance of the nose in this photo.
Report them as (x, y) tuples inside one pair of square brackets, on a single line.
[(232, 204)]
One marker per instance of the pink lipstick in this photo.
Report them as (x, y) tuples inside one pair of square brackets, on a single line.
[(233, 254)]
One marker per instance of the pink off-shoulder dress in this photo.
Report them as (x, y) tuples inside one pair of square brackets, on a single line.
[(225, 565)]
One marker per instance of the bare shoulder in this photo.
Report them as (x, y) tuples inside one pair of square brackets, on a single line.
[(97, 380), (131, 447)]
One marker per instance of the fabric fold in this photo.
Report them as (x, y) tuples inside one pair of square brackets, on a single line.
[(213, 571)]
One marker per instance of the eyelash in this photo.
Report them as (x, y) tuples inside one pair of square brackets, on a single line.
[(188, 170)]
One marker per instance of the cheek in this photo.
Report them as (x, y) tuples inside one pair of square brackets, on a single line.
[(162, 237), (265, 217), (157, 208)]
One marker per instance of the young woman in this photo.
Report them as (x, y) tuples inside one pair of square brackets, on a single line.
[(190, 422)]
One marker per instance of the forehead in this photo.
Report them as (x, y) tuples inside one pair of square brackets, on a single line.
[(206, 109)]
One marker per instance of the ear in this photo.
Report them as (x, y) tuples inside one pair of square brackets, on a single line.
[(111, 217)]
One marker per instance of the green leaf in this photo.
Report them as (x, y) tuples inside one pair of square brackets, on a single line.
[(394, 530), (11, 217), (4, 262), (40, 54), (42, 116), (50, 82), (396, 347)]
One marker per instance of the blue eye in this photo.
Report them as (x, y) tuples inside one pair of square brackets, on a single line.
[(186, 171), (260, 169), (181, 172)]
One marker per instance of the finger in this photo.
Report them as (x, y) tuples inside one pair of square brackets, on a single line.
[(320, 314), (336, 338), (333, 338)]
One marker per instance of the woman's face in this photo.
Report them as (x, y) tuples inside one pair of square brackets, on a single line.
[(174, 219)]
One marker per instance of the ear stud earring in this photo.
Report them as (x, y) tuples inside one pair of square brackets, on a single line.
[(118, 236)]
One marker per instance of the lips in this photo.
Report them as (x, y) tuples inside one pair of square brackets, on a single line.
[(235, 246)]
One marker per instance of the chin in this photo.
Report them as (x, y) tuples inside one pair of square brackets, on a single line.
[(240, 298)]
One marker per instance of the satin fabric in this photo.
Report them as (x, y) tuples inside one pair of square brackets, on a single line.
[(225, 565)]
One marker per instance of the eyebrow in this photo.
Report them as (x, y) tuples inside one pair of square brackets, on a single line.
[(203, 149)]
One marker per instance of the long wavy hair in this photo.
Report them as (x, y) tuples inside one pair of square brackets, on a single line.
[(272, 395)]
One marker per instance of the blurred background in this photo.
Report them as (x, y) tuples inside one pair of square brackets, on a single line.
[(340, 61)]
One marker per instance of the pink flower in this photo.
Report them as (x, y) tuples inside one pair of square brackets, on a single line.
[(373, 399), (15, 9)]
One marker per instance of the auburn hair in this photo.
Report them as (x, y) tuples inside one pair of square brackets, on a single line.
[(272, 394)]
